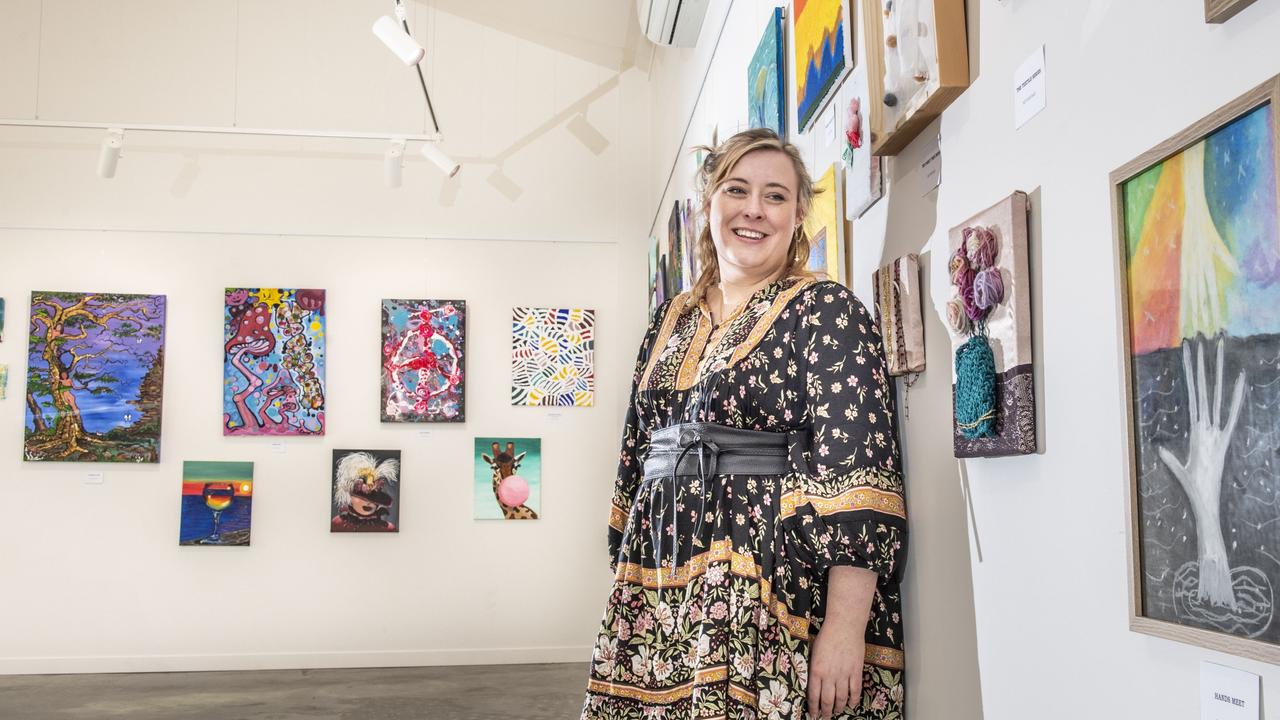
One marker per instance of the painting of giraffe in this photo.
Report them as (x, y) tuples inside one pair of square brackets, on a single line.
[(508, 478)]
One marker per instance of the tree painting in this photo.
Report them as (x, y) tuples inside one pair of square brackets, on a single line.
[(273, 362), (95, 377)]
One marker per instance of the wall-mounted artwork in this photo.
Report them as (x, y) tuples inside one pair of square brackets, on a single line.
[(899, 312), (366, 491), (4, 381), (553, 356), (1220, 11), (423, 360), (825, 224), (823, 54), (918, 64), (863, 178), (273, 362), (766, 82), (95, 377), (217, 503), (1, 319), (989, 314), (1197, 238), (508, 478)]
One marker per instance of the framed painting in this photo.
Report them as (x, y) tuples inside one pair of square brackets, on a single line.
[(825, 224), (918, 64), (1220, 11), (508, 478), (366, 491), (553, 357), (95, 377), (766, 81), (217, 503), (989, 319), (822, 54), (273, 362), (1198, 269), (423, 360)]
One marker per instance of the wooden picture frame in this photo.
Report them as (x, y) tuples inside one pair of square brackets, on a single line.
[(892, 129), (1220, 11), (1211, 583)]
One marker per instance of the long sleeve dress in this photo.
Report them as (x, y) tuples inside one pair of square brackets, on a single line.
[(720, 624)]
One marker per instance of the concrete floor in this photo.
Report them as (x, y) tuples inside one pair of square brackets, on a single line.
[(489, 692)]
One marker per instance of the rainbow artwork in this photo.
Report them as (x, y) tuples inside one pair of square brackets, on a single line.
[(217, 503), (1202, 248), (823, 54)]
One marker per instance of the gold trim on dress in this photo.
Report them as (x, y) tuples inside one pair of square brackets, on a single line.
[(664, 335), (618, 518), (705, 676), (886, 657), (766, 321), (690, 366), (861, 498)]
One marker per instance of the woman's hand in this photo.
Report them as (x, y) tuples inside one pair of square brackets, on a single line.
[(838, 652)]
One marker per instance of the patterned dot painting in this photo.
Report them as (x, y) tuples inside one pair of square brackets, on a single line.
[(553, 357)]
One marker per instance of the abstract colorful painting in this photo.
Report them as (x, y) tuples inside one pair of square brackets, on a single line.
[(95, 377), (217, 503), (765, 79), (823, 54), (273, 362), (989, 313), (423, 360), (366, 491), (508, 478), (1, 319), (553, 356), (825, 224), (1199, 242), (4, 381)]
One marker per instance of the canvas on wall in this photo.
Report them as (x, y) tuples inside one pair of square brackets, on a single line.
[(822, 54), (273, 362), (896, 287), (766, 107), (217, 503), (423, 360), (989, 314), (508, 478), (553, 357), (1198, 246), (825, 225), (863, 177), (95, 377), (366, 491)]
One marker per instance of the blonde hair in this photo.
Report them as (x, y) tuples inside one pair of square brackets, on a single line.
[(720, 161)]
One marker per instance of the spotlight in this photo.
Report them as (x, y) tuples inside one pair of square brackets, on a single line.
[(397, 39), (393, 163), (110, 153), (431, 151)]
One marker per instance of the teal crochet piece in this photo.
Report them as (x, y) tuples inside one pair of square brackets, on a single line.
[(976, 389)]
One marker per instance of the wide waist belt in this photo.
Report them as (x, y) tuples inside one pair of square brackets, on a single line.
[(707, 449)]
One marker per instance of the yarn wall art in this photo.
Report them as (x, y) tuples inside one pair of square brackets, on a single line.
[(766, 81), (423, 360), (508, 478), (553, 356), (217, 503), (823, 54), (1200, 244), (366, 491), (989, 315), (273, 362), (95, 377)]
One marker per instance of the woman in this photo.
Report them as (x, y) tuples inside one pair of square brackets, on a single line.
[(758, 527)]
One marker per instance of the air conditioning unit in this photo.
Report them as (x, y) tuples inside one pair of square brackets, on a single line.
[(672, 22)]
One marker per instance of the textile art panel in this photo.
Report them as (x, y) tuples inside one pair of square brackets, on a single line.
[(898, 309), (217, 503), (553, 356), (423, 360)]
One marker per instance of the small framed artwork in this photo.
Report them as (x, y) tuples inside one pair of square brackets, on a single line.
[(1197, 242), (553, 357), (508, 478), (766, 99), (217, 503), (366, 491), (423, 360), (825, 224), (822, 54), (918, 64), (1220, 11)]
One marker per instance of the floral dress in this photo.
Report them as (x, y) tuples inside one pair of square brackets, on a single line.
[(720, 625)]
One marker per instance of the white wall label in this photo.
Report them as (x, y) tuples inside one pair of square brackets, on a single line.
[(424, 433), (829, 126), (94, 477), (278, 447), (931, 166), (1228, 694), (1029, 88)]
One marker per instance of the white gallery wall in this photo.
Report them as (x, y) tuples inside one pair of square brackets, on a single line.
[(536, 103)]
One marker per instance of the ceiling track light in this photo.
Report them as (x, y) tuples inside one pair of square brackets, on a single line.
[(394, 163), (448, 166), (109, 155)]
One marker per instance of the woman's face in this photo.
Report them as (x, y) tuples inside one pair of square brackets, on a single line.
[(753, 214)]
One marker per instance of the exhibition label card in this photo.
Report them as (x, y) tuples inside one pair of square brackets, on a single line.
[(931, 166), (1029, 88), (1228, 694)]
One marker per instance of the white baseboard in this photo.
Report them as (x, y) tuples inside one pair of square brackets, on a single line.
[(291, 661)]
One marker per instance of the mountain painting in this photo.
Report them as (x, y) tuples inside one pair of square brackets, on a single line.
[(823, 54)]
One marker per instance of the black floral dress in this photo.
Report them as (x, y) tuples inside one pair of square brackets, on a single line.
[(722, 626)]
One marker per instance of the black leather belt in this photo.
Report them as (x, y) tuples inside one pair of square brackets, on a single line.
[(707, 449)]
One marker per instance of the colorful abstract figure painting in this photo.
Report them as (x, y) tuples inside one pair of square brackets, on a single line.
[(1198, 238), (274, 359), (765, 79), (95, 377), (423, 359), (366, 491), (822, 53), (508, 478), (553, 356), (825, 224), (217, 503)]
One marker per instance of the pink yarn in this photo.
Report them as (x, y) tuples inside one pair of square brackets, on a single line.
[(513, 490), (981, 248)]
